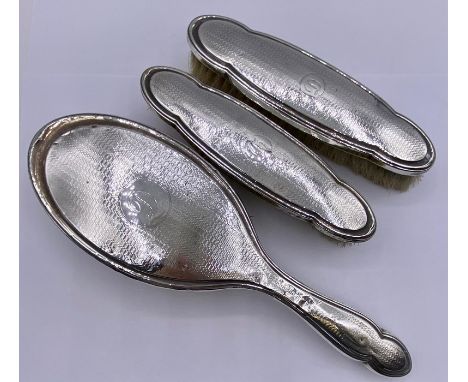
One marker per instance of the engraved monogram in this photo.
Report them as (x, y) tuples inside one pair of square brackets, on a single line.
[(258, 147), (144, 203), (312, 85)]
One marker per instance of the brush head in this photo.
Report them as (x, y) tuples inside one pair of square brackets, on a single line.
[(358, 164), (258, 153), (310, 95)]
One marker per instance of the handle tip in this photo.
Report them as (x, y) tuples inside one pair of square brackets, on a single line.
[(392, 358)]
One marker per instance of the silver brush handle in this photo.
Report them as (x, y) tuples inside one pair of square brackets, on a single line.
[(351, 332)]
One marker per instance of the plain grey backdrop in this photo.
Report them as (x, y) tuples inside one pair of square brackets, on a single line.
[(81, 321)]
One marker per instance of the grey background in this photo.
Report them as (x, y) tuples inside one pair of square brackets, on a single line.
[(81, 321)]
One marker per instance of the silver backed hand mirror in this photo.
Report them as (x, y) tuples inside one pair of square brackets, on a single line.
[(258, 153), (152, 209)]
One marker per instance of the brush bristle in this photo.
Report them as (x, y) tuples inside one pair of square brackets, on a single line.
[(359, 165)]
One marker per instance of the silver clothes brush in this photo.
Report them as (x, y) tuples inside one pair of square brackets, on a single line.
[(154, 210), (258, 153), (309, 95)]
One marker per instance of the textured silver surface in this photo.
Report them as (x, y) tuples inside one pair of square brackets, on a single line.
[(180, 230), (312, 95), (258, 153), (152, 209)]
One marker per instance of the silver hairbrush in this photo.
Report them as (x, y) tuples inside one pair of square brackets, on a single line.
[(310, 95), (152, 209), (258, 153)]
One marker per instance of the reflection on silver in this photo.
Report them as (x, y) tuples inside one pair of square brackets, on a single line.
[(258, 153), (310, 94), (81, 165)]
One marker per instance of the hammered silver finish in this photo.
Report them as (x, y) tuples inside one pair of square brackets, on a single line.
[(258, 153), (312, 95), (152, 209)]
